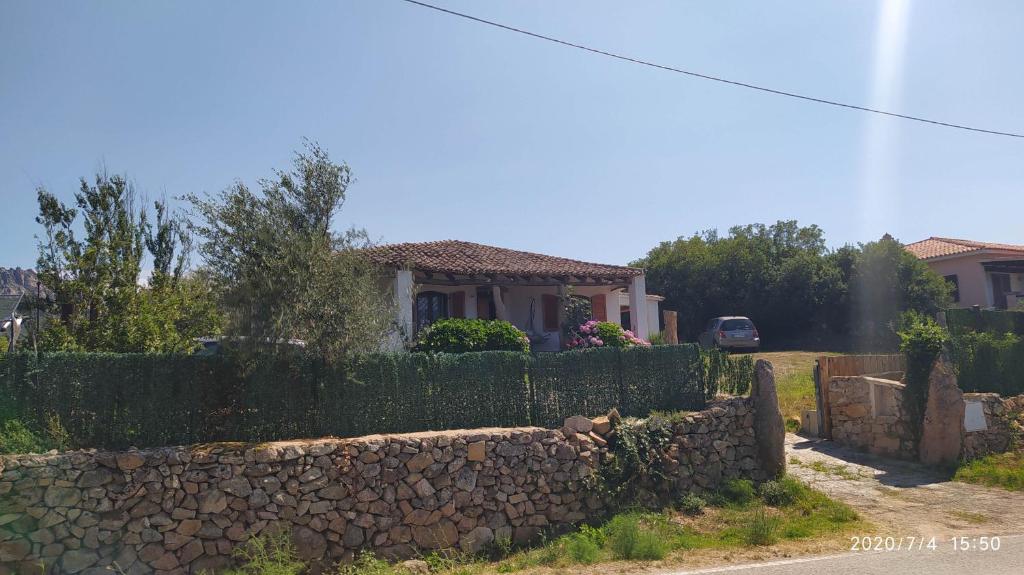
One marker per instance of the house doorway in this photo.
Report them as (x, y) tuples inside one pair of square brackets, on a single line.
[(1000, 287), (485, 303)]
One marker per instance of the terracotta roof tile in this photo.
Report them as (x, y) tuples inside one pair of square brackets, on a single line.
[(467, 258), (939, 247)]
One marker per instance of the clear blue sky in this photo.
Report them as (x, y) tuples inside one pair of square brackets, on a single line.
[(457, 130)]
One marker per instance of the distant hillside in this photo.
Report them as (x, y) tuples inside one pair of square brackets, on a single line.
[(14, 281)]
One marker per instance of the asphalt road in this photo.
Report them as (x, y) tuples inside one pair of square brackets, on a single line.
[(945, 560)]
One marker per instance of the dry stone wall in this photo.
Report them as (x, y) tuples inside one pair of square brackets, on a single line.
[(182, 510), (868, 413), (1004, 418)]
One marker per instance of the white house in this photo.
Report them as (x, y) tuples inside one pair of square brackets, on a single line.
[(982, 273), (435, 280)]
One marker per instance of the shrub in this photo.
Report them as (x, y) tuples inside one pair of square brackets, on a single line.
[(738, 491), (603, 334), (782, 492), (582, 549), (630, 539), (16, 438), (458, 335), (763, 528), (692, 504)]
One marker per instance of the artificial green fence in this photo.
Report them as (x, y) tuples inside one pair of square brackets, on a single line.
[(987, 349), (118, 400)]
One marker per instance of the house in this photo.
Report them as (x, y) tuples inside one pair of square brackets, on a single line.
[(984, 274), (435, 280)]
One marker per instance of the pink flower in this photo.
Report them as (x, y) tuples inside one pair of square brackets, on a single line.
[(599, 343)]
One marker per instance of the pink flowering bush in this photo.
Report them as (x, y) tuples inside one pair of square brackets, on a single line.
[(602, 334)]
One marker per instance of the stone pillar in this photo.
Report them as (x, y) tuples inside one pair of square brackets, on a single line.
[(500, 312), (942, 429), (769, 429), (638, 306)]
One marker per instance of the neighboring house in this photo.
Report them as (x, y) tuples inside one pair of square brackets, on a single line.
[(984, 274), (435, 280)]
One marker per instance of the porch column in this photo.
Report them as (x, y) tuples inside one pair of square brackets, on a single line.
[(638, 306), (499, 304), (403, 288)]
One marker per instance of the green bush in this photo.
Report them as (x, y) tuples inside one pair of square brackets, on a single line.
[(738, 491), (692, 504), (16, 438), (989, 362), (459, 335), (268, 555), (782, 492)]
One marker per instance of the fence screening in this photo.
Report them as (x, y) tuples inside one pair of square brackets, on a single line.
[(121, 400), (987, 348)]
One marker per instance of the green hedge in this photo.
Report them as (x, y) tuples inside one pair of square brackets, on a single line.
[(118, 400), (989, 363), (990, 321)]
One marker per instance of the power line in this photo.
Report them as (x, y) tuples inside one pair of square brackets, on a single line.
[(708, 77)]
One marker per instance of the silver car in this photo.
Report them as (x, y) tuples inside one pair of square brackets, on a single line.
[(730, 332)]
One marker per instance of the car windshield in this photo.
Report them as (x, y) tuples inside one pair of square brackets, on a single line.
[(737, 324)]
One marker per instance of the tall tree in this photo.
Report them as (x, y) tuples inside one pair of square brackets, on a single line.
[(282, 273), (95, 276)]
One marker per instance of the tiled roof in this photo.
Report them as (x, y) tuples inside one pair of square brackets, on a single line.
[(467, 258), (938, 247)]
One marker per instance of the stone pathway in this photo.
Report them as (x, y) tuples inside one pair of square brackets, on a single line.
[(904, 498)]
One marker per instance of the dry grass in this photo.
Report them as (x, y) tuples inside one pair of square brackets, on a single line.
[(794, 379)]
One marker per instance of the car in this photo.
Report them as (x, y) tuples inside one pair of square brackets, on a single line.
[(730, 332)]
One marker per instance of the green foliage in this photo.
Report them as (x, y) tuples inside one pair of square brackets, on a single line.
[(782, 492), (996, 322), (784, 279), (658, 339), (738, 491), (95, 278), (367, 564), (458, 335), (268, 555), (16, 438), (988, 362), (692, 504), (1005, 470), (602, 334), (763, 528), (634, 536), (282, 273), (921, 340), (117, 400)]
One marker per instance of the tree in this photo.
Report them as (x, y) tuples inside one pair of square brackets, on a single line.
[(95, 278), (281, 272), (794, 289)]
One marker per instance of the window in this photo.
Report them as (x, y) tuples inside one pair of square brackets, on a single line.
[(430, 307), (955, 282)]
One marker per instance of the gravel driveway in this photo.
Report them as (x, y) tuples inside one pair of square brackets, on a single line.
[(904, 498)]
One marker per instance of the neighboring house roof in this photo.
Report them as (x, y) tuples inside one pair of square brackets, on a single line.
[(467, 258), (944, 247)]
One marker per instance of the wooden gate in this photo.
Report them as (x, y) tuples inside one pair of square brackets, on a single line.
[(826, 367)]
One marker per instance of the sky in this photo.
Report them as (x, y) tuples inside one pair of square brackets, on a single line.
[(456, 130)]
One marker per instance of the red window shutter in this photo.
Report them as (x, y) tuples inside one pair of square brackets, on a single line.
[(598, 309), (458, 304), (550, 309)]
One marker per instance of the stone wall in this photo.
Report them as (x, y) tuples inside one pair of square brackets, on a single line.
[(1004, 418), (183, 509), (867, 413)]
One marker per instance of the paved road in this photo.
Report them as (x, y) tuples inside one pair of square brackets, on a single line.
[(1009, 559)]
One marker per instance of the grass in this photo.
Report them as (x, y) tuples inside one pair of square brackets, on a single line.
[(836, 469), (794, 382), (969, 516), (739, 517), (1004, 470)]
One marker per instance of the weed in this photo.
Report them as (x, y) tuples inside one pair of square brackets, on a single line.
[(692, 504), (268, 554), (632, 537), (792, 425), (763, 528), (738, 491), (1004, 470)]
